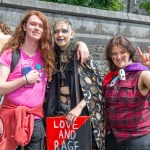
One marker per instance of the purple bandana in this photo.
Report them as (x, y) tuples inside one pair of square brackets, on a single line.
[(136, 67)]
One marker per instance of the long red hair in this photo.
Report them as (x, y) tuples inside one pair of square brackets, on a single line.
[(45, 43)]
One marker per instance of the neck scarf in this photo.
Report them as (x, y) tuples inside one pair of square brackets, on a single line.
[(135, 67), (129, 68)]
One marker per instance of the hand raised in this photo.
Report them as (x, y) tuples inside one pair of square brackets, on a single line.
[(145, 58)]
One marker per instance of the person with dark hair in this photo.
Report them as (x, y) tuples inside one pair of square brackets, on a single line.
[(21, 112), (127, 92), (77, 89)]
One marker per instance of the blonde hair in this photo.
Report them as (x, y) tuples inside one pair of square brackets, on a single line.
[(62, 20), (45, 43)]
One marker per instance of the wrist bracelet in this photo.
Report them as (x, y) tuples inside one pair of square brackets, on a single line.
[(26, 79)]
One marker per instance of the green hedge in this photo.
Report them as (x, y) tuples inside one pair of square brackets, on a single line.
[(146, 6), (114, 5)]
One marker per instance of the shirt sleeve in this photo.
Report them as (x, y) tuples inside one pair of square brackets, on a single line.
[(6, 58)]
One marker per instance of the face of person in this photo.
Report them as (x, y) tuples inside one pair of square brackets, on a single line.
[(62, 35), (34, 28), (120, 56)]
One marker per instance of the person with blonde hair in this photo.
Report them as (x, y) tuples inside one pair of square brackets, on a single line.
[(21, 112), (76, 90)]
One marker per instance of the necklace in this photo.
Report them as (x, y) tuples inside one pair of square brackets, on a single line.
[(65, 58), (63, 69)]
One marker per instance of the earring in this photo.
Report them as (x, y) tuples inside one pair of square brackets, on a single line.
[(71, 40)]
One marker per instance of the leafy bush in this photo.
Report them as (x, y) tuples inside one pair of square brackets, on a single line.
[(114, 5), (146, 6)]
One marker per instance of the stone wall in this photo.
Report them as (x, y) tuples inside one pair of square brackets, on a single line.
[(93, 26)]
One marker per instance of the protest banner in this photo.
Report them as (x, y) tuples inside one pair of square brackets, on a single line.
[(63, 136)]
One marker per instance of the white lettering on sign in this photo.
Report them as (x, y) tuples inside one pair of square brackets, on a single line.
[(62, 124), (67, 132), (71, 145)]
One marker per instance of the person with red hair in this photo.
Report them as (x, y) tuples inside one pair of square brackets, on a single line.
[(21, 112)]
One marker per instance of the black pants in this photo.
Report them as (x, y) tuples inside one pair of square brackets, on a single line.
[(111, 143), (37, 139)]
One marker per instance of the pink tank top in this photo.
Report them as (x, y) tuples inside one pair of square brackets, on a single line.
[(26, 96)]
